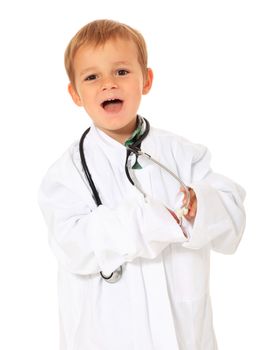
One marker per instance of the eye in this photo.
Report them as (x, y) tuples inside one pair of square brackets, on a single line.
[(91, 77), (122, 72)]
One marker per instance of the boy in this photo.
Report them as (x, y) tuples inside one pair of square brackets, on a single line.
[(160, 296)]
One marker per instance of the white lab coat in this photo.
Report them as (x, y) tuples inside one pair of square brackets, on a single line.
[(162, 301)]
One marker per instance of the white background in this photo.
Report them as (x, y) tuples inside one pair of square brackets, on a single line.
[(206, 60)]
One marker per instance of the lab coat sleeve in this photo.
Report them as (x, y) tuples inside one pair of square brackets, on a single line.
[(87, 239), (220, 218)]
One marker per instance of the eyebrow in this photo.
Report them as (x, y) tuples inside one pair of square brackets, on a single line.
[(84, 71)]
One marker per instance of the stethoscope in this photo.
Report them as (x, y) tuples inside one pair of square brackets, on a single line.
[(130, 150)]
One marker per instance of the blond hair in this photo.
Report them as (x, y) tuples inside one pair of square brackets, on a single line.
[(97, 33)]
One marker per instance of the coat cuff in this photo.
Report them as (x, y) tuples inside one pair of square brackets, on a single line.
[(211, 218), (160, 223)]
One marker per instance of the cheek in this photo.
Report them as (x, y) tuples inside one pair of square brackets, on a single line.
[(137, 88), (87, 96)]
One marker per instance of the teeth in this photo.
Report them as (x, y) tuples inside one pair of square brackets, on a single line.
[(109, 100)]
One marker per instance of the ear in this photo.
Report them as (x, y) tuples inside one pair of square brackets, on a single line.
[(148, 82), (74, 95)]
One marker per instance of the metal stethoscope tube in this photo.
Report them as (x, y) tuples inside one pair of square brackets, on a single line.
[(184, 209)]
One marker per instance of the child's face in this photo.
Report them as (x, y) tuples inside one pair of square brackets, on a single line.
[(110, 72)]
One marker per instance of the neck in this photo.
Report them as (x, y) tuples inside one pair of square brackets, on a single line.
[(121, 135)]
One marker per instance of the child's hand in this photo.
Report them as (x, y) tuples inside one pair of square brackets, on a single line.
[(178, 221), (192, 207)]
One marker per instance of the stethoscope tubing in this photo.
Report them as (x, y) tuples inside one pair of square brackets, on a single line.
[(96, 196), (139, 152), (135, 148)]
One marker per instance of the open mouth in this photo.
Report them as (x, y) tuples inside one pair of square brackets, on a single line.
[(112, 105)]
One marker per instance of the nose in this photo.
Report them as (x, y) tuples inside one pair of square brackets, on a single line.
[(109, 83)]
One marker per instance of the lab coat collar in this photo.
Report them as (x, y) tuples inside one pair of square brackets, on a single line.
[(114, 150)]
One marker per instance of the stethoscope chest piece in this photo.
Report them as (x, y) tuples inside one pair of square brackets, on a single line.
[(115, 276)]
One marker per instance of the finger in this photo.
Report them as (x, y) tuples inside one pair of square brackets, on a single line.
[(193, 211), (192, 198)]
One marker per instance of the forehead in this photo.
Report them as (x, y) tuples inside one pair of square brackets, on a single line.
[(113, 50)]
